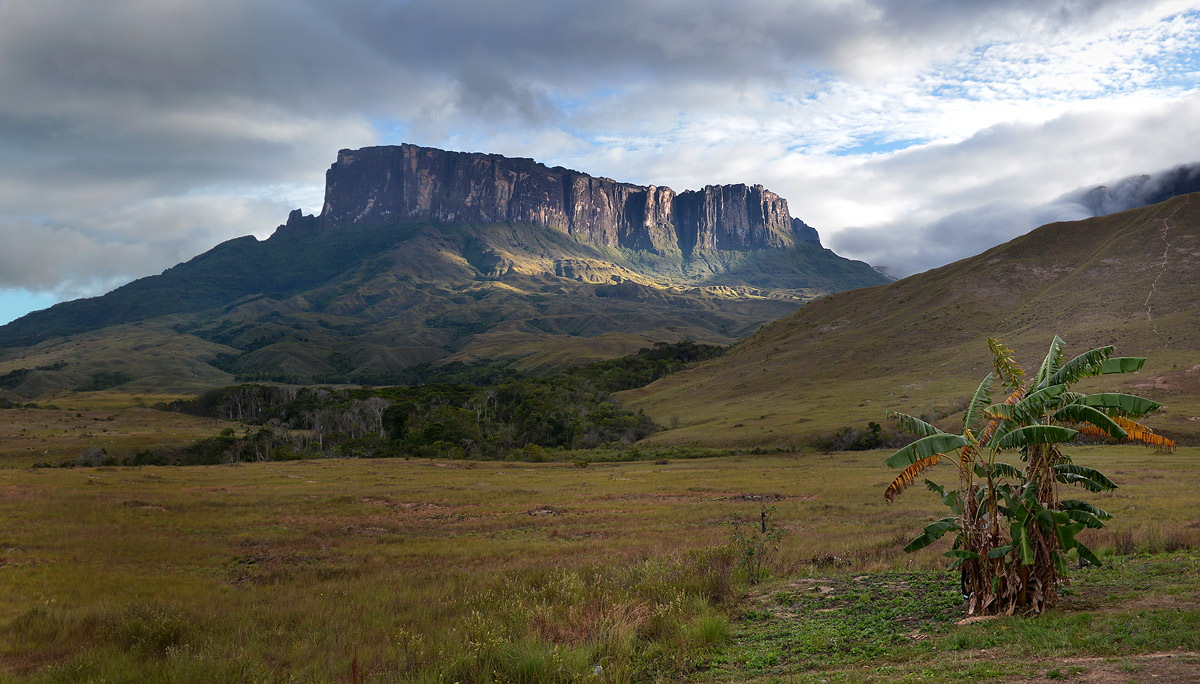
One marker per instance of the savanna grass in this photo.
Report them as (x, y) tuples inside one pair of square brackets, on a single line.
[(393, 570)]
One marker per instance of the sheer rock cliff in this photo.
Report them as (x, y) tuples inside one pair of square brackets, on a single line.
[(390, 185)]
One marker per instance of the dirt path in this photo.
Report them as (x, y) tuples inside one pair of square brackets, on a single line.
[(1177, 668)]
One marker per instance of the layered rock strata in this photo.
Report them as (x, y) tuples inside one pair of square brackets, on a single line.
[(379, 186)]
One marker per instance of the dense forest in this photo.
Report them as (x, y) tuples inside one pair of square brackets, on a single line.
[(515, 418)]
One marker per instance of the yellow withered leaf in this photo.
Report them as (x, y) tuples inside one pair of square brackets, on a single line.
[(1134, 432), (906, 477)]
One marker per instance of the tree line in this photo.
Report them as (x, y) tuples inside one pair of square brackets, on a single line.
[(573, 409)]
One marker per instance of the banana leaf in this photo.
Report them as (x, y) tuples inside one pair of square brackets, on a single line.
[(912, 425), (961, 553), (1073, 472), (1086, 554), (1121, 364), (1006, 367), (1067, 532), (950, 499), (1129, 405), (1082, 413), (1051, 363), (983, 395), (1031, 407), (925, 447), (1022, 543), (1034, 434), (1072, 505), (932, 533), (1086, 365)]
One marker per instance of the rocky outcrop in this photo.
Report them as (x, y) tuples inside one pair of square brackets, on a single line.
[(805, 233), (297, 222), (725, 217), (402, 184)]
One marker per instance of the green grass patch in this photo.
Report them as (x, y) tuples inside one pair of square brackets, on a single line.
[(884, 627)]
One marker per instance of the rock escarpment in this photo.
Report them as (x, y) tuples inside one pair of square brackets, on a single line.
[(805, 233), (379, 186)]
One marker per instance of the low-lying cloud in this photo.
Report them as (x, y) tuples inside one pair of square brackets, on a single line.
[(966, 233), (1007, 180)]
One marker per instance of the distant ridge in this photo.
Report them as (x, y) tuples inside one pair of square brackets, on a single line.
[(1137, 191)]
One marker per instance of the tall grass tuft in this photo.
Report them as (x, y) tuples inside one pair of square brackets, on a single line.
[(560, 625)]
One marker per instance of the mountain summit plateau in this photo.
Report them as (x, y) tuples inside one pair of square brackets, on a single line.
[(381, 186)]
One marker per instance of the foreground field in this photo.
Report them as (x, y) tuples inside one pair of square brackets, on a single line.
[(391, 570)]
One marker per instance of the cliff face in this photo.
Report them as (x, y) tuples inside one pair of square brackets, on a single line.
[(805, 232), (401, 184), (732, 217)]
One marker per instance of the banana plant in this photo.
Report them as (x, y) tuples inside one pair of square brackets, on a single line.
[(1013, 531)]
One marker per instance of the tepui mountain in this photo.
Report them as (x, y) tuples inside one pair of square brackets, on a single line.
[(423, 256)]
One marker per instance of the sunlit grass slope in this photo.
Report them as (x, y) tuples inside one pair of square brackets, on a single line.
[(359, 303), (919, 345), (104, 420)]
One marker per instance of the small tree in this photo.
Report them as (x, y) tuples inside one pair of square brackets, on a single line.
[(757, 547), (1013, 529)]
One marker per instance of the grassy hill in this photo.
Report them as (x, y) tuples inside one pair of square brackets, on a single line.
[(919, 345), (360, 304)]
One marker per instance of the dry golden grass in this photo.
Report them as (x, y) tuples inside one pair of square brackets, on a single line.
[(920, 343), (107, 420), (252, 572)]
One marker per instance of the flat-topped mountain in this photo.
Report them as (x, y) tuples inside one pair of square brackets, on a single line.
[(424, 256), (380, 186)]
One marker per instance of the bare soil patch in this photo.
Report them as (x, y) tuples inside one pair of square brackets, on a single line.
[(1176, 668)]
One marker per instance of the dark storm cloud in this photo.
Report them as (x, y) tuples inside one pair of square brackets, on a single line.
[(80, 62), (563, 42)]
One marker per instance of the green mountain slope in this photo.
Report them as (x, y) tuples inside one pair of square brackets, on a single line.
[(919, 345), (423, 256), (362, 303)]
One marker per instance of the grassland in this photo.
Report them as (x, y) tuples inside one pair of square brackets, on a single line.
[(919, 345), (50, 436), (393, 570), (1133, 620)]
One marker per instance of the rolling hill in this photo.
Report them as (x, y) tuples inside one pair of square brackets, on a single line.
[(425, 256), (918, 345)]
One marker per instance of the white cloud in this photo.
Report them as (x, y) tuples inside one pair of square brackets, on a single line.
[(99, 252), (134, 135), (1027, 168)]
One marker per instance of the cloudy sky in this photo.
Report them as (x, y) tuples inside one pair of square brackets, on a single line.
[(135, 134)]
